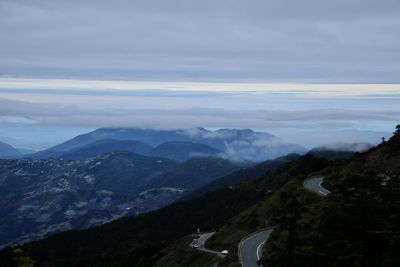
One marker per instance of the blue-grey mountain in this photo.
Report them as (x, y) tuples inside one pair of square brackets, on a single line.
[(181, 151), (106, 146), (7, 150), (233, 143)]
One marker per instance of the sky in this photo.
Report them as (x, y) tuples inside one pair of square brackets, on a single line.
[(310, 71)]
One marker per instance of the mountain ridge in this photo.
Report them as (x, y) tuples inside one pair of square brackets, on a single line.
[(7, 150), (106, 146), (234, 143)]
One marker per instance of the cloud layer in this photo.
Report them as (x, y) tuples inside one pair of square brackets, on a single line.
[(262, 40), (190, 117), (308, 117)]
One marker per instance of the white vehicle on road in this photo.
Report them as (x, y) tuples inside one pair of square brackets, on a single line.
[(224, 252)]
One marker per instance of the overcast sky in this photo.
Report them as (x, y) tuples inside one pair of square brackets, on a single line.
[(223, 40), (310, 71)]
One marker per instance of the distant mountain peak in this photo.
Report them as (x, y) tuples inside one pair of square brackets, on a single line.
[(233, 143), (7, 150)]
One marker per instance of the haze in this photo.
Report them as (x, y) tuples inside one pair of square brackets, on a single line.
[(311, 72)]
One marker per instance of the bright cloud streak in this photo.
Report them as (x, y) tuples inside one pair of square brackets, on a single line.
[(312, 88)]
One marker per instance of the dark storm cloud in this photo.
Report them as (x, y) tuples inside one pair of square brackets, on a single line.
[(284, 40)]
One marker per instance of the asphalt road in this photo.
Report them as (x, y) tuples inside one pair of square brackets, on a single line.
[(250, 248), (202, 241), (314, 184)]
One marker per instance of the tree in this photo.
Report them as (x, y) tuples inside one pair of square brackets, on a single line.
[(283, 251), (22, 260), (397, 132)]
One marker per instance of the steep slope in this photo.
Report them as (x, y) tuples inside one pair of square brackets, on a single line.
[(356, 225), (331, 154), (113, 243), (129, 171), (197, 172), (339, 151), (6, 150), (106, 146), (182, 151), (244, 174)]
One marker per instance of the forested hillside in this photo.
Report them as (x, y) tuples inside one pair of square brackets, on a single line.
[(356, 225)]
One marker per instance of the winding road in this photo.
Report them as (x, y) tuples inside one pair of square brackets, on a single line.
[(314, 184), (201, 242), (250, 248)]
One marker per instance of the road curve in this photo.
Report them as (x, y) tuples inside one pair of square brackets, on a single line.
[(203, 239), (314, 184), (250, 248)]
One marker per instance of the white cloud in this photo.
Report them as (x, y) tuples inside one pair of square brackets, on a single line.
[(52, 114), (76, 86)]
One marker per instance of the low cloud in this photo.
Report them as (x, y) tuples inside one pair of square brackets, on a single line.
[(305, 117), (51, 114)]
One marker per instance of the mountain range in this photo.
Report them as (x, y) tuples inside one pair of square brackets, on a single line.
[(180, 144), (349, 227)]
